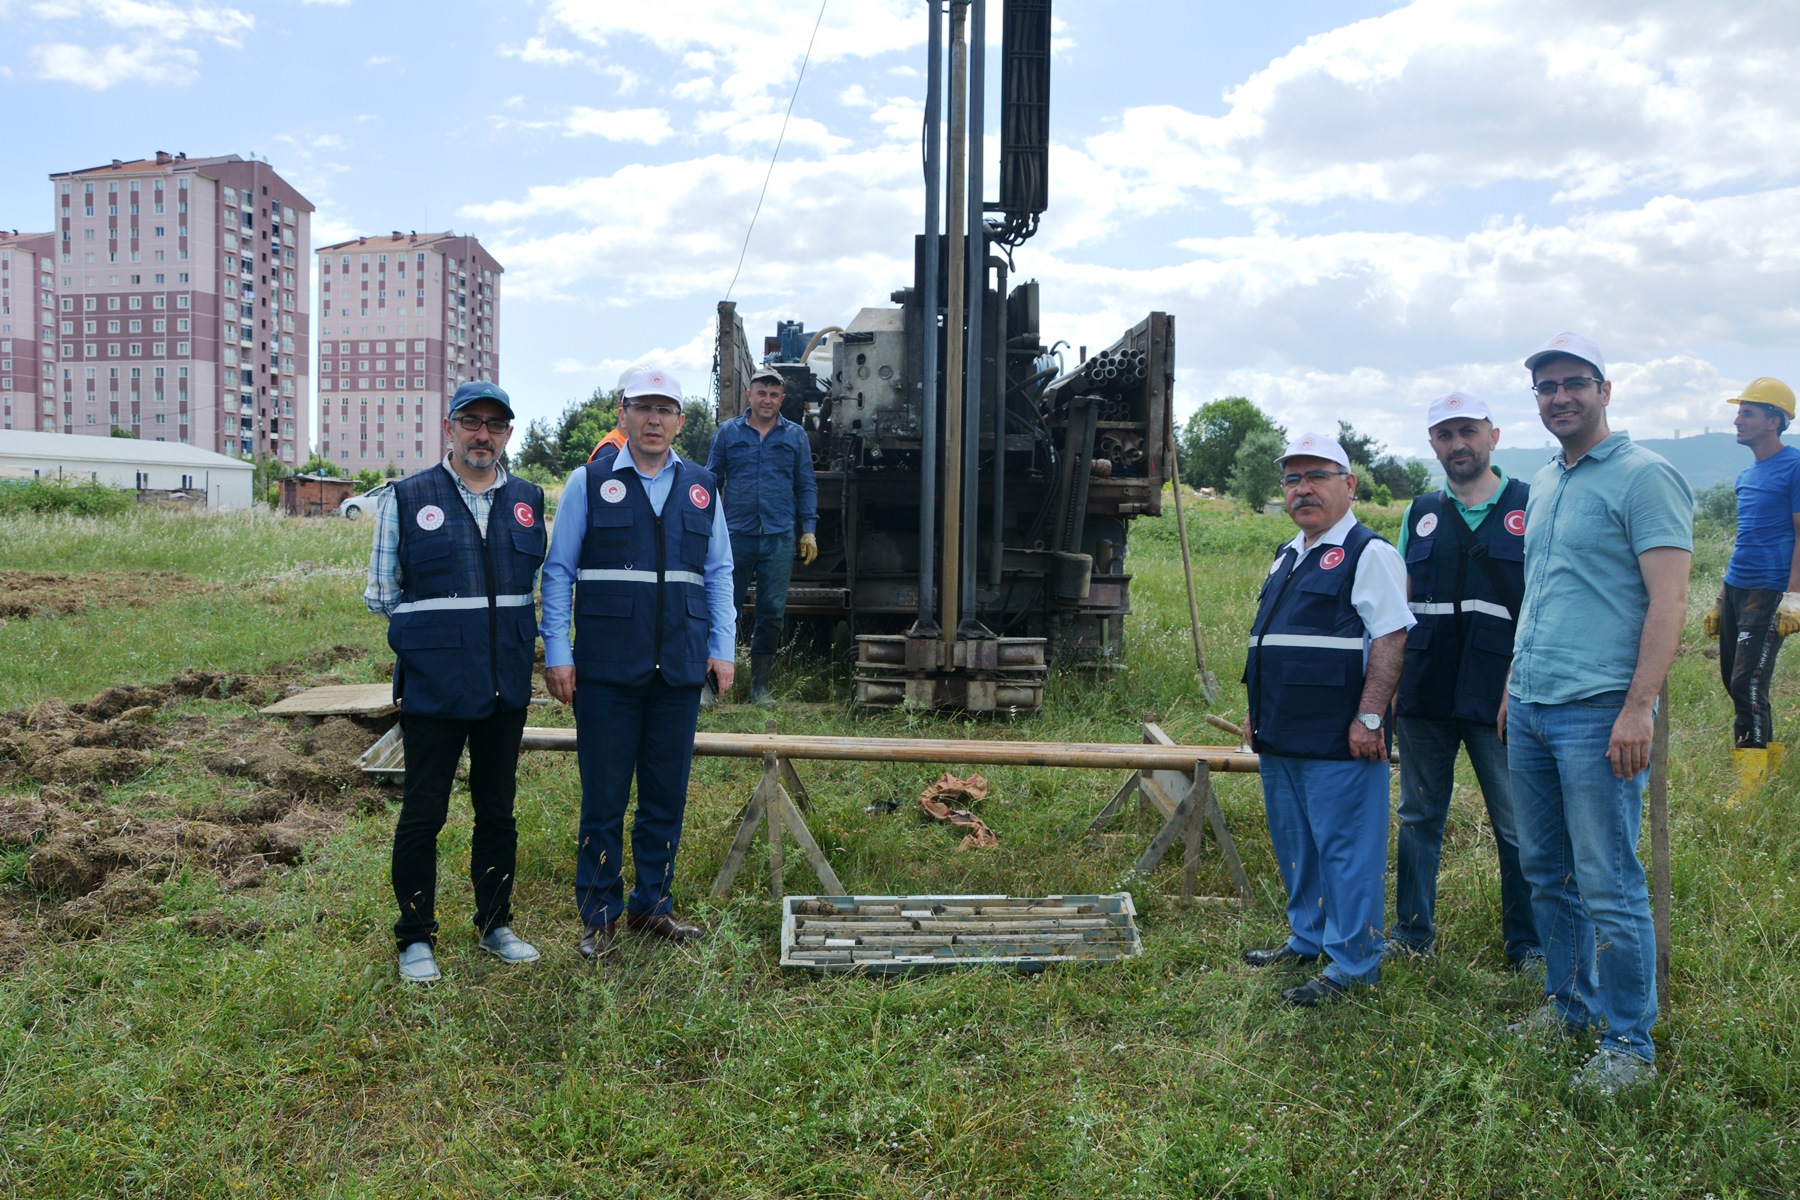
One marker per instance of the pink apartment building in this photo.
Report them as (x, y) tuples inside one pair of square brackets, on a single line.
[(183, 304), (403, 320), (28, 331)]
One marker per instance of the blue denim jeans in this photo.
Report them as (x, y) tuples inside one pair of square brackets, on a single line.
[(767, 560), (1427, 777), (1578, 834), (1328, 823)]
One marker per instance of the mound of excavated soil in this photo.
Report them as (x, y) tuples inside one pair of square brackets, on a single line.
[(26, 594)]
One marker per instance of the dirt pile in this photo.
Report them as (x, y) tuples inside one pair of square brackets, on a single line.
[(28, 594)]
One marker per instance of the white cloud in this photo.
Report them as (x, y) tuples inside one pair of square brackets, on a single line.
[(1448, 94), (537, 50), (648, 125), (375, 60), (153, 52)]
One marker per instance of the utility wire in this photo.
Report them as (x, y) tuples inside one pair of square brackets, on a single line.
[(779, 138)]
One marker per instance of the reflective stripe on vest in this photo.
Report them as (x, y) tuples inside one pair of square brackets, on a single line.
[(447, 603), (623, 576), (1318, 641), (1440, 609)]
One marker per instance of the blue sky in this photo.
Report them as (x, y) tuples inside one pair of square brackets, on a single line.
[(1350, 207)]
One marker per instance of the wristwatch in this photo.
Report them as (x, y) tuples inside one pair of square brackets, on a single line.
[(1369, 721)]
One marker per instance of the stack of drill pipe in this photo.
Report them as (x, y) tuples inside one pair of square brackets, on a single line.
[(1112, 371), (853, 931)]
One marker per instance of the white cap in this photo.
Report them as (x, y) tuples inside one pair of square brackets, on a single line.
[(1458, 405), (1315, 445), (1575, 345), (649, 381)]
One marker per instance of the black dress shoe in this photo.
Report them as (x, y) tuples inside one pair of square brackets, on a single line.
[(663, 925), (1283, 953), (598, 940), (1320, 989)]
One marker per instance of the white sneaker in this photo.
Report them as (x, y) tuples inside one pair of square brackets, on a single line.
[(507, 946), (1612, 1071), (418, 964)]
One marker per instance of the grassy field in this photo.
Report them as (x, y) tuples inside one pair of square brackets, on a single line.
[(186, 1038)]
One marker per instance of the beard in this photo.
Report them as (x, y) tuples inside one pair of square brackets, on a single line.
[(1464, 470)]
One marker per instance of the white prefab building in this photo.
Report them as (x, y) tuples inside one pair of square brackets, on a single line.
[(225, 482)]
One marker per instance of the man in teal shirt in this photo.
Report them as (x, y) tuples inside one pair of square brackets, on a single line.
[(1608, 543)]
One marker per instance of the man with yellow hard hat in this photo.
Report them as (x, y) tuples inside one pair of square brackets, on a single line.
[(1760, 602)]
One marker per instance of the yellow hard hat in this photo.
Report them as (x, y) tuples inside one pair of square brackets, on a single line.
[(1771, 392)]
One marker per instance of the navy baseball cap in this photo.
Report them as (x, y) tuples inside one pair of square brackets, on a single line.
[(479, 389)]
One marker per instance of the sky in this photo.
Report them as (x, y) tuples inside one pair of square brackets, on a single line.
[(1350, 207)]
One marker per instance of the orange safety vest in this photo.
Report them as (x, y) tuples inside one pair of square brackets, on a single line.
[(615, 438)]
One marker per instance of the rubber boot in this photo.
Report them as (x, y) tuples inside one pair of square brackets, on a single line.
[(760, 666), (1777, 756), (1752, 768)]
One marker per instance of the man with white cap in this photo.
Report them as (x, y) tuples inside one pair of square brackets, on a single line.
[(453, 567), (1326, 649), (1759, 604), (640, 539), (1608, 543), (1464, 548)]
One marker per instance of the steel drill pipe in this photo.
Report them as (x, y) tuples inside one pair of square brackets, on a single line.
[(948, 751)]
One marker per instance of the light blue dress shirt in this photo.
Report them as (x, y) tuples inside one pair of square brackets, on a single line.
[(569, 528)]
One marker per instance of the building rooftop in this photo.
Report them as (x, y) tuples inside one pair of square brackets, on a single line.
[(82, 448), (13, 235), (390, 241)]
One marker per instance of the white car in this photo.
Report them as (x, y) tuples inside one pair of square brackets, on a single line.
[(352, 507)]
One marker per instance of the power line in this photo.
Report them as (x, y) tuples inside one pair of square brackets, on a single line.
[(777, 153)]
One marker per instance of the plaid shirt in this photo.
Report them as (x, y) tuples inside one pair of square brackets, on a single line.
[(385, 585)]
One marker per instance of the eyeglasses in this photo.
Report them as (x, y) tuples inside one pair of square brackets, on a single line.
[(495, 425), (667, 412), (1575, 385), (1313, 477)]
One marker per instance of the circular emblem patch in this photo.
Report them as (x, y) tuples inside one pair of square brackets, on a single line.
[(1515, 522), (1331, 558), (699, 496), (1427, 525), (1453, 401), (430, 517), (523, 512), (612, 491)]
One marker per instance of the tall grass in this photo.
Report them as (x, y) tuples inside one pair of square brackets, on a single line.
[(155, 1063)]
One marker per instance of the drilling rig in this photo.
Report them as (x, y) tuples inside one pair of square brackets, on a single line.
[(975, 496)]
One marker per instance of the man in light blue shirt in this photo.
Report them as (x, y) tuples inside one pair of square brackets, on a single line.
[(1608, 543), (640, 566)]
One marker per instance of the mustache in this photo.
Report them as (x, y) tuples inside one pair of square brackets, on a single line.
[(1300, 502)]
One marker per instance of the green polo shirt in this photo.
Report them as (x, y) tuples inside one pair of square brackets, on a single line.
[(1585, 600), (1472, 517)]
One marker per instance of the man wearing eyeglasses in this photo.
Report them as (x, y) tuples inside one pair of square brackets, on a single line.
[(1464, 548), (1608, 542), (641, 555), (1326, 650), (764, 463), (454, 567)]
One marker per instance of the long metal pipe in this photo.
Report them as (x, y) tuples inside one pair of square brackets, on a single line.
[(953, 326), (997, 521), (928, 311), (975, 253), (949, 751)]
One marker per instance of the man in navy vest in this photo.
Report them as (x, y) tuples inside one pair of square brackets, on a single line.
[(1325, 654), (1464, 548), (640, 540), (454, 568)]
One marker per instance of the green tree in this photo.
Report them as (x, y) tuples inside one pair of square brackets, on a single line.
[(694, 442), (561, 445), (1209, 443), (1255, 479), (368, 479), (318, 464), (121, 431), (1374, 467)]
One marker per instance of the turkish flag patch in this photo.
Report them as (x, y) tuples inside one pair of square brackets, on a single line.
[(699, 495), (1515, 522), (523, 512), (1331, 558)]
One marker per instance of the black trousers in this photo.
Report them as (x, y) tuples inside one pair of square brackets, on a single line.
[(1748, 645), (433, 748)]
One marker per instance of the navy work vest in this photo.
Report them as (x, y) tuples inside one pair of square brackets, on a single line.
[(466, 626), (1459, 653), (1305, 669), (640, 584)]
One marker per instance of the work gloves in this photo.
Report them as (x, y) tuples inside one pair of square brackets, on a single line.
[(1787, 614), (809, 550)]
